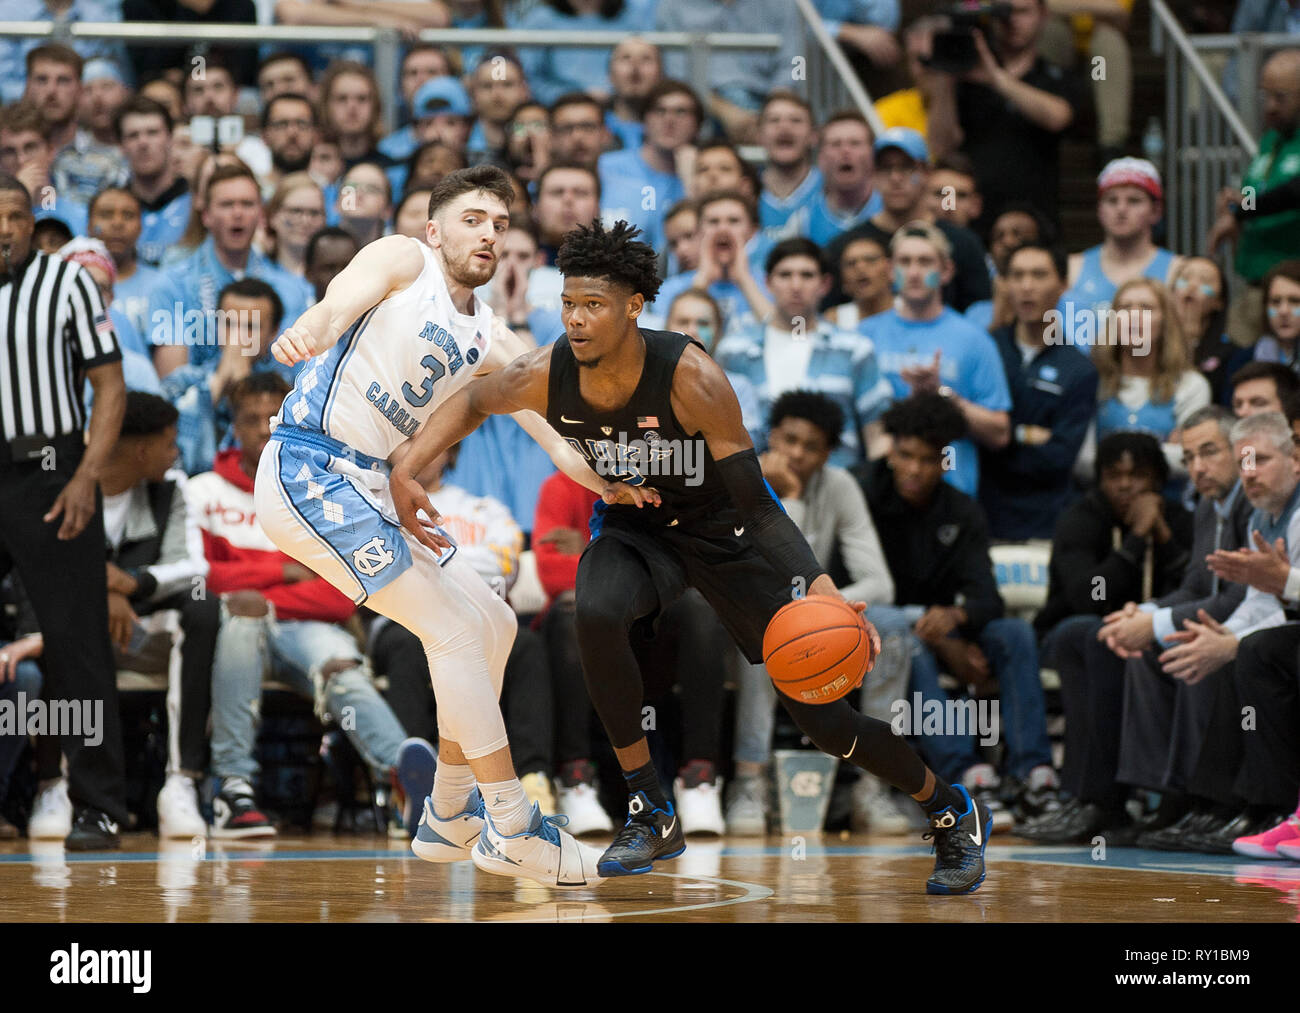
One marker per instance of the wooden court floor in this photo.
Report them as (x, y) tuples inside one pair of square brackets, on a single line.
[(836, 878)]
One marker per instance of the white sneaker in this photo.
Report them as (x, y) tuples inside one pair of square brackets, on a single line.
[(700, 808), (875, 811), (586, 814), (451, 840), (543, 852), (983, 783), (51, 813), (178, 809), (537, 788), (747, 807)]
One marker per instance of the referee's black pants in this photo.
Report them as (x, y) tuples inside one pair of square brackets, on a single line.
[(1268, 682), (67, 584)]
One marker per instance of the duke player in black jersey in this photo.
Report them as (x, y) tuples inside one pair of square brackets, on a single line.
[(652, 409)]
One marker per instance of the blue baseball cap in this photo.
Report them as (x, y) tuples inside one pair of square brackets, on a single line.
[(440, 96), (906, 140)]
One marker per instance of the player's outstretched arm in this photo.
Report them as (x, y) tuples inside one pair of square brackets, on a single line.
[(383, 267), (705, 404)]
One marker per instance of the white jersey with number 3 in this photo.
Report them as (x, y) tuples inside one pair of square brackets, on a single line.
[(393, 367)]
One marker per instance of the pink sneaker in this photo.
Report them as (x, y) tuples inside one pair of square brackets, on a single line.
[(1266, 845), (1289, 849)]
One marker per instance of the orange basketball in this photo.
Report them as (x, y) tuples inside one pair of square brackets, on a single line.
[(817, 649)]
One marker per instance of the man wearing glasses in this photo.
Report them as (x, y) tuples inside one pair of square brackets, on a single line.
[(289, 130)]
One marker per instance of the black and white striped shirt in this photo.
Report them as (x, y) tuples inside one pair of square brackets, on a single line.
[(53, 326)]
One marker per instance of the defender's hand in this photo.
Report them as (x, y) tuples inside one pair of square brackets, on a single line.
[(638, 495), (409, 498)]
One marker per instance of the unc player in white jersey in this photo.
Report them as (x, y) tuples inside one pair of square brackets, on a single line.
[(400, 330)]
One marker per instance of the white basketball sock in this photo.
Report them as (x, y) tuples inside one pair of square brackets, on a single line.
[(452, 786), (508, 806)]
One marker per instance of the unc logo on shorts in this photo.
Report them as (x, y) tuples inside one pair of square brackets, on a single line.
[(372, 557)]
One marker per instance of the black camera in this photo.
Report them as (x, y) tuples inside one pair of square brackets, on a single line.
[(954, 50)]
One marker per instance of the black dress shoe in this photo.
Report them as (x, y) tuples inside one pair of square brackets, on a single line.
[(1077, 827), (1030, 829), (92, 830), (1178, 836), (1219, 841)]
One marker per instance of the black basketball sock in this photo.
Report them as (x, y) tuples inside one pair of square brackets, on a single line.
[(646, 780), (945, 795)]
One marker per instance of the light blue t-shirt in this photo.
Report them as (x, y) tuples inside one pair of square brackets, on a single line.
[(774, 213), (817, 221), (634, 192), (132, 295), (162, 228), (969, 363)]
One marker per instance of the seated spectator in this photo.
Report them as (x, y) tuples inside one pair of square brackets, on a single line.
[(1200, 293), (790, 177), (13, 51), (25, 153), (326, 164), (867, 278), (1242, 782), (553, 70), (441, 112), (497, 87), (578, 133), (1281, 288), (1025, 485), (328, 252), (924, 347), (1008, 114), (213, 95), (103, 92), (1147, 382), (560, 533), (248, 318), (1122, 541), (1095, 30), (188, 297), (412, 214), (738, 80), (294, 213), (528, 140), (901, 177), (732, 262), (936, 542), (277, 616), (289, 129), (828, 507), (421, 63), (954, 191), (847, 197), (1263, 387), (288, 73), (718, 166), (144, 130), (567, 196), (1263, 228), (672, 119), (351, 110), (796, 350), (1129, 205), (114, 217), (155, 562), (696, 313), (634, 69), (82, 165), (681, 234), (196, 231), (1140, 726), (1015, 224), (507, 292)]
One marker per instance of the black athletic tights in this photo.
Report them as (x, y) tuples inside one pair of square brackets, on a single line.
[(615, 590)]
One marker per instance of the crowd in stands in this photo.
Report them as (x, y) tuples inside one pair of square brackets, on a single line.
[(929, 365)]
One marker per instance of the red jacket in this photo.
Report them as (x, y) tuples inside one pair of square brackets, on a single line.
[(241, 557), (561, 503)]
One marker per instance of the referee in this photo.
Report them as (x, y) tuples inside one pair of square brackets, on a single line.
[(53, 331)]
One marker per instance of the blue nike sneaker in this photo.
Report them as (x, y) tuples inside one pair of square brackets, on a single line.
[(648, 835), (959, 842), (438, 840), (416, 763)]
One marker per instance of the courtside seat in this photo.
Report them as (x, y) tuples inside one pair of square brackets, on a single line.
[(1020, 569)]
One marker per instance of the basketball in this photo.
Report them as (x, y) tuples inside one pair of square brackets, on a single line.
[(817, 649)]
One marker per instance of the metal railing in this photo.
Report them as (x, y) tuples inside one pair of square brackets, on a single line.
[(1207, 145), (830, 82)]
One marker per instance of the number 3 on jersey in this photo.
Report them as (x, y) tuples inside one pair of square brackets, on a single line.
[(436, 371)]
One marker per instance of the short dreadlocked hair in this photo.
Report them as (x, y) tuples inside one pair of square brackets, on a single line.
[(931, 418), (817, 409), (592, 251)]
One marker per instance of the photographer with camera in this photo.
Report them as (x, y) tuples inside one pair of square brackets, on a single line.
[(995, 99)]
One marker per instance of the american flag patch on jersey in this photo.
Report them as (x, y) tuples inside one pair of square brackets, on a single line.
[(647, 421), (102, 324)]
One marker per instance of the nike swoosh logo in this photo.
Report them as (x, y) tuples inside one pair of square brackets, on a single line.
[(572, 422), (978, 835), (845, 756), (669, 829), (739, 531)]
